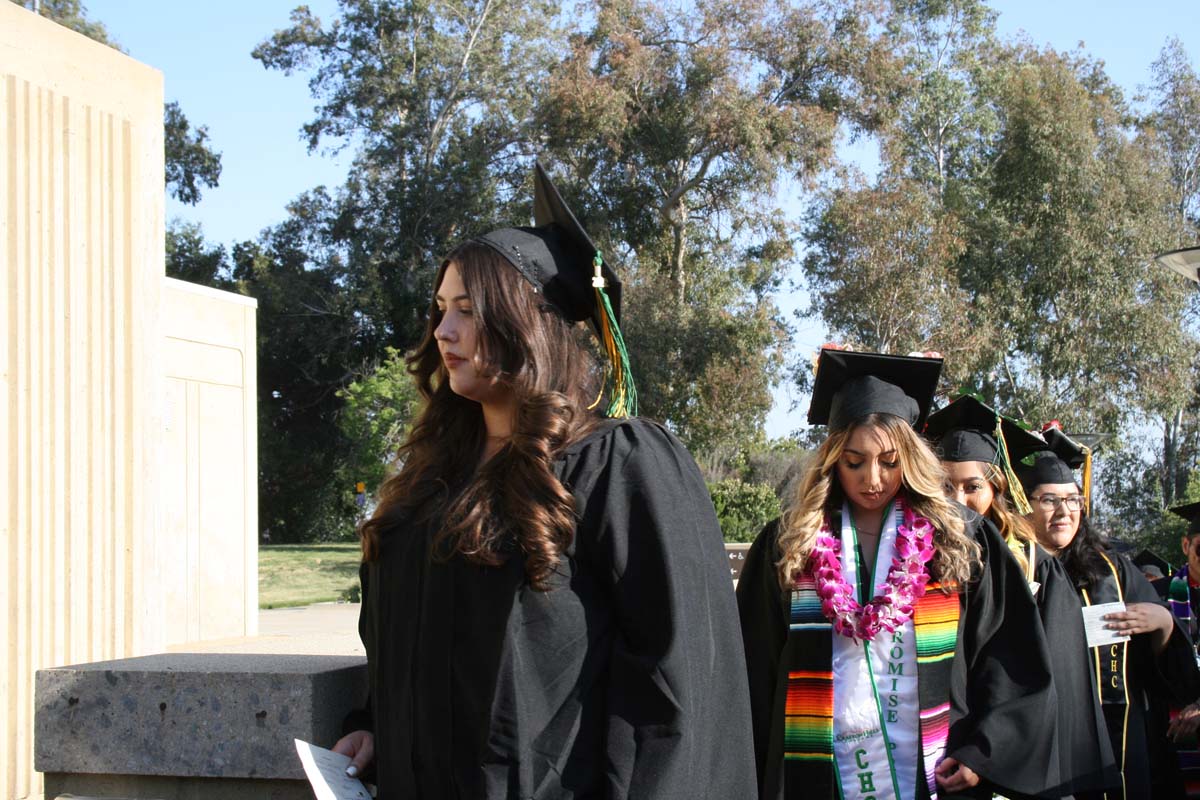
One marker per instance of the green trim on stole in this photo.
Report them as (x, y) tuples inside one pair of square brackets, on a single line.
[(808, 769)]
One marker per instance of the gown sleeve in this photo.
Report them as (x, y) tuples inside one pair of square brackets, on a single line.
[(1003, 703), (360, 719), (1171, 674), (1086, 760), (764, 633), (678, 716)]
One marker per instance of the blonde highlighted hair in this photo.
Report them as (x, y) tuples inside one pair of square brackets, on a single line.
[(1015, 529), (818, 496)]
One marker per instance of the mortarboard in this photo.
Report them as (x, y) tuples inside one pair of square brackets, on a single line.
[(1190, 512), (965, 430), (970, 430), (851, 385), (562, 262), (1058, 462), (1148, 558)]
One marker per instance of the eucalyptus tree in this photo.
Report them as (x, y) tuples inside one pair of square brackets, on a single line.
[(684, 122)]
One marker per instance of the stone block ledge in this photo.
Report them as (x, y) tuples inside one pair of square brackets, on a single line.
[(196, 715)]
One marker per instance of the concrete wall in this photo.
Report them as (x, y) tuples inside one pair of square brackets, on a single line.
[(81, 250), (209, 480)]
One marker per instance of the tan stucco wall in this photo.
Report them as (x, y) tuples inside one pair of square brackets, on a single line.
[(81, 245), (209, 480)]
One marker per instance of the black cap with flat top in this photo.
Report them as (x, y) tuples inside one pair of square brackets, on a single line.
[(1190, 512), (850, 386), (965, 430), (1055, 464), (1148, 558), (562, 262), (557, 256)]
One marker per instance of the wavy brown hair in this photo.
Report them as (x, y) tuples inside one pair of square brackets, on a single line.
[(514, 499), (819, 495)]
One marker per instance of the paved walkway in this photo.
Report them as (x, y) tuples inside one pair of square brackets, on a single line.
[(323, 629)]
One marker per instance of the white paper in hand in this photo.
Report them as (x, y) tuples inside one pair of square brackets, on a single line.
[(1093, 625), (326, 771)]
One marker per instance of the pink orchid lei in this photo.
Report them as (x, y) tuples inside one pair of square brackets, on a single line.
[(905, 584)]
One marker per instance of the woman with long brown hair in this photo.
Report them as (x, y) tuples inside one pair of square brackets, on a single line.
[(892, 647), (547, 611), (979, 448)]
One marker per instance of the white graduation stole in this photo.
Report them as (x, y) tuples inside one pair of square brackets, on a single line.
[(876, 712)]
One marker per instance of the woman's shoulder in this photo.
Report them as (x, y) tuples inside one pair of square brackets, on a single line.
[(622, 438), (626, 450)]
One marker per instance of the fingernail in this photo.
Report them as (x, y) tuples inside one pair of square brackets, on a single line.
[(352, 771)]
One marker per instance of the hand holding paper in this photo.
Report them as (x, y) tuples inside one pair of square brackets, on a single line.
[(326, 771), (1096, 625)]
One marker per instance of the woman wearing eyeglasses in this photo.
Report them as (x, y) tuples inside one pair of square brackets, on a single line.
[(1155, 660), (892, 648), (978, 446)]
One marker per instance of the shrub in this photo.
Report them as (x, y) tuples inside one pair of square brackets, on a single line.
[(743, 508)]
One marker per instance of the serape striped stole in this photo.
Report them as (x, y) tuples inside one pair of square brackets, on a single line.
[(808, 713)]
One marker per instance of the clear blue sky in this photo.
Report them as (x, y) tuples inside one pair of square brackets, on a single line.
[(254, 116)]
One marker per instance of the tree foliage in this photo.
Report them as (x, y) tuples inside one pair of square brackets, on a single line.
[(743, 508), (682, 123), (881, 265), (1060, 253), (436, 99), (189, 160), (378, 412), (1172, 121), (1171, 130), (191, 258), (72, 14), (1012, 226)]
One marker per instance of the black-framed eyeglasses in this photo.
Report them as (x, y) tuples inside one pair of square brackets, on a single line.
[(1051, 502)]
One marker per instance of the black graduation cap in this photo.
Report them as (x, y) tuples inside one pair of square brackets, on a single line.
[(1148, 558), (557, 256), (562, 262), (1056, 463), (965, 430), (1186, 262), (1190, 512), (851, 385)]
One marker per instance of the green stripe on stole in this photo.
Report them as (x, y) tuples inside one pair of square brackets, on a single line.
[(808, 769)]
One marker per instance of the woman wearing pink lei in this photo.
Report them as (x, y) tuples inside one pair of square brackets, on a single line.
[(892, 646)]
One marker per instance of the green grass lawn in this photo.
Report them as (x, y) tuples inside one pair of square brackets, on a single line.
[(299, 574)]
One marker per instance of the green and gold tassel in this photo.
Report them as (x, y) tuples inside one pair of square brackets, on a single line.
[(618, 374), (1014, 485)]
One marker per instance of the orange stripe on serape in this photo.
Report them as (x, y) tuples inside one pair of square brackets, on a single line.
[(808, 716)]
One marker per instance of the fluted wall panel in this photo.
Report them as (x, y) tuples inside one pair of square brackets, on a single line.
[(81, 231)]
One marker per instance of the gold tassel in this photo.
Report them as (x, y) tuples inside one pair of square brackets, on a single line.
[(1087, 477)]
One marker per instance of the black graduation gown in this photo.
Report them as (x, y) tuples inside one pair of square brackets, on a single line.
[(625, 680), (1086, 760), (1002, 698), (1170, 676)]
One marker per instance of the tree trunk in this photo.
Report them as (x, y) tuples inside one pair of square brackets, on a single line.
[(678, 251), (1172, 428)]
